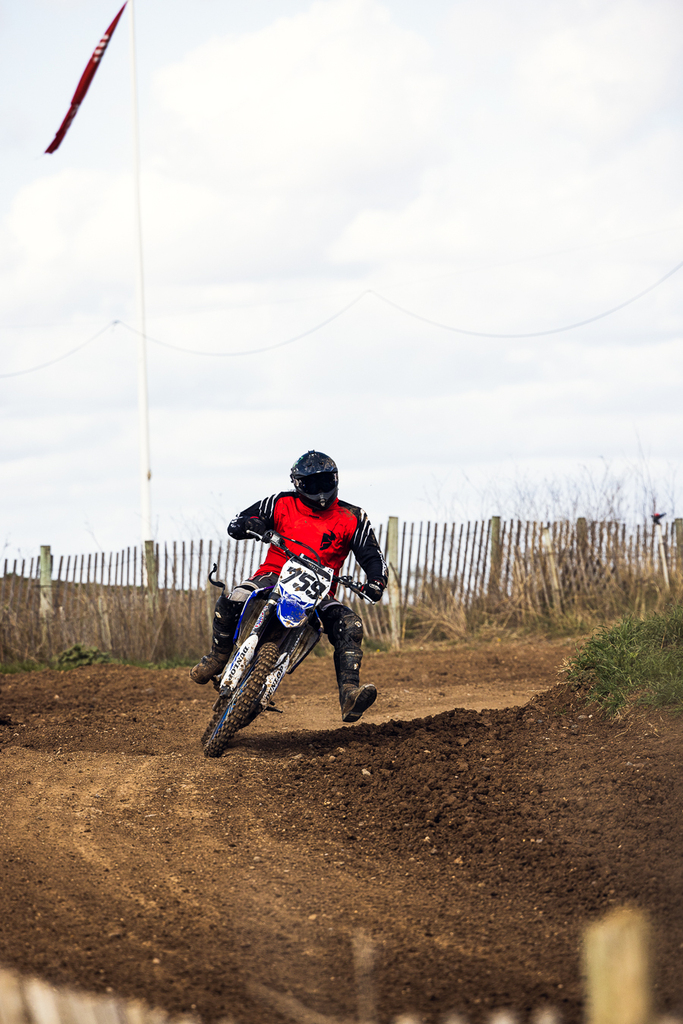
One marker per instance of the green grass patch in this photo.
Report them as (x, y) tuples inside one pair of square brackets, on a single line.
[(10, 667), (634, 661), (79, 656), (166, 663)]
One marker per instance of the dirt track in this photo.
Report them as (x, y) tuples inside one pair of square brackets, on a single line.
[(472, 847)]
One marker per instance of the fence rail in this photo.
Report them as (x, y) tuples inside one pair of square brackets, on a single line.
[(156, 603)]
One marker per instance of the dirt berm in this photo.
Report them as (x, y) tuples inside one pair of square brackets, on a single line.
[(472, 845)]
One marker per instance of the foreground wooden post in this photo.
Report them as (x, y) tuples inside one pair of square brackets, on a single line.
[(496, 556), (394, 584), (45, 595), (363, 964), (11, 1002), (546, 540), (617, 969)]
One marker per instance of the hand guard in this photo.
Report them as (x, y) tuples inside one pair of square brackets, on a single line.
[(374, 590)]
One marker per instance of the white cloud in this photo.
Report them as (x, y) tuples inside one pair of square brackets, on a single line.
[(333, 97), (332, 150), (602, 75), (67, 242)]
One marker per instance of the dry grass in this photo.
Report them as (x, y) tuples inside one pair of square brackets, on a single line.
[(176, 627), (124, 621), (527, 607), (581, 579), (439, 615)]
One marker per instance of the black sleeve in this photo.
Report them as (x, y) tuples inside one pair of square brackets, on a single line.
[(366, 549), (263, 510)]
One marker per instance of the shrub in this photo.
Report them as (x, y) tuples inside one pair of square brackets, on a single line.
[(79, 654), (638, 660)]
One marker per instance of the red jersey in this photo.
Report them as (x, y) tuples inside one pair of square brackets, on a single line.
[(331, 532)]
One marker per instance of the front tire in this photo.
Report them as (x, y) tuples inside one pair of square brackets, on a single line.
[(236, 710)]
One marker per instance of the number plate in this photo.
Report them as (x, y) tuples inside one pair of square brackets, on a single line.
[(306, 583)]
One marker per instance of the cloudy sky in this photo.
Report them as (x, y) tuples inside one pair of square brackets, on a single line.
[(504, 168)]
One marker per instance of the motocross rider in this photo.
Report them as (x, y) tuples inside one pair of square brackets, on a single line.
[(313, 514)]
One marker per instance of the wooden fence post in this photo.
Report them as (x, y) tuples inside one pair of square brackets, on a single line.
[(105, 629), (617, 969), (496, 557), (394, 584), (210, 605), (678, 523), (152, 575), (662, 554), (582, 535), (554, 578), (45, 595)]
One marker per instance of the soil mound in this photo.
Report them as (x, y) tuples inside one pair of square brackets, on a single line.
[(472, 845)]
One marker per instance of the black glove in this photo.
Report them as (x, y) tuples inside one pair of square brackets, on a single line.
[(255, 526), (373, 589), (239, 526)]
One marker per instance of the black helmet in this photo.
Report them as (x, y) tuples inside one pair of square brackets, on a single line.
[(315, 479)]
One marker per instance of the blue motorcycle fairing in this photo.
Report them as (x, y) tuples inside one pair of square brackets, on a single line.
[(290, 611), (262, 592)]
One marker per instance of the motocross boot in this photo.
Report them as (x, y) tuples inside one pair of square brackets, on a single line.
[(354, 699), (225, 621)]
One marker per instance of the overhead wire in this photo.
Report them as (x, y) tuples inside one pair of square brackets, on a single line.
[(250, 351), (530, 334), (335, 316), (65, 355), (476, 268)]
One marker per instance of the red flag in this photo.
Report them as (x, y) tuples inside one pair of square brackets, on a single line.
[(84, 84)]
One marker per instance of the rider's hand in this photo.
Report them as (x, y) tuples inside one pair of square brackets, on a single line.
[(373, 589), (256, 526)]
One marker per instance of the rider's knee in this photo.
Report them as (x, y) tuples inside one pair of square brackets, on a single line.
[(225, 606), (246, 588), (344, 626)]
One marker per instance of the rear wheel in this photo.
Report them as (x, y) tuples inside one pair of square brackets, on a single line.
[(235, 710)]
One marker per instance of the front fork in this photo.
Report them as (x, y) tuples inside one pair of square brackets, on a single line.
[(274, 680), (236, 669), (284, 662)]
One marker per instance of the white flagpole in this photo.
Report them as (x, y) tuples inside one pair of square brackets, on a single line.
[(143, 410)]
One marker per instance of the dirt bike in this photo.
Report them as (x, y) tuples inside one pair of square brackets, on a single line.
[(278, 628)]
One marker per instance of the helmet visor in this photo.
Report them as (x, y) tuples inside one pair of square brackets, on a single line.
[(317, 483)]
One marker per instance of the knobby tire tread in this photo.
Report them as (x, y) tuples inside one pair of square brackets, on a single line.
[(215, 742)]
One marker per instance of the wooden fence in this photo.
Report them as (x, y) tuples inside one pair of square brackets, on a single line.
[(32, 1001), (156, 604), (616, 963)]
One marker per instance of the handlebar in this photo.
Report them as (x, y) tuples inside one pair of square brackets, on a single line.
[(348, 581), (272, 537)]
